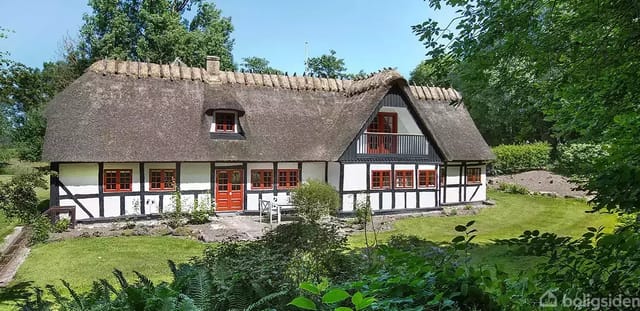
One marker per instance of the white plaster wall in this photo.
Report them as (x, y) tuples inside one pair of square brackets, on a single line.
[(453, 175), (313, 170), (204, 200), (411, 200), (155, 166), (287, 165), (195, 176), (79, 178), (380, 167), (355, 177), (399, 200), (361, 198), (132, 205), (111, 206), (386, 201), (151, 204), (187, 202), (347, 202), (284, 198), (406, 123), (267, 196), (252, 201), (92, 205), (427, 199), (167, 203), (452, 195), (375, 201), (427, 167), (135, 171), (334, 174)]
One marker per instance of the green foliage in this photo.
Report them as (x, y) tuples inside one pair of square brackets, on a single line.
[(200, 212), (315, 199), (325, 298), (156, 31), (62, 225), (175, 218), (40, 229), (141, 295), (517, 158), (579, 159), (513, 188), (258, 65), (327, 66), (436, 71), (18, 197), (585, 85), (363, 212)]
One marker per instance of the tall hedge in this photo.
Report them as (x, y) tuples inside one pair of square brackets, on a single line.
[(518, 158), (579, 159)]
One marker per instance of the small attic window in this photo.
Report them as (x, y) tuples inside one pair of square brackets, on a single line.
[(224, 122)]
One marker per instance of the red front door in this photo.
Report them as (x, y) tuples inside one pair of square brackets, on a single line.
[(380, 138), (229, 190)]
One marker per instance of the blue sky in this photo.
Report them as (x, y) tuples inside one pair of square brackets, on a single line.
[(368, 34)]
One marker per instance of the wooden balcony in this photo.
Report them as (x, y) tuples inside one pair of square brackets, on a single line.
[(392, 144)]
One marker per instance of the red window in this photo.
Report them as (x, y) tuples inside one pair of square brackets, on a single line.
[(427, 179), (117, 180), (262, 179), (473, 175), (404, 179), (380, 179), (225, 122), (287, 179), (162, 179)]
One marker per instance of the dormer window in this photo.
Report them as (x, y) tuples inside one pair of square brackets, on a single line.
[(225, 122)]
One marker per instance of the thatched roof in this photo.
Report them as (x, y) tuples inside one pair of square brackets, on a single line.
[(130, 111)]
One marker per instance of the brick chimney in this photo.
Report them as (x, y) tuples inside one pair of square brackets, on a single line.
[(213, 65)]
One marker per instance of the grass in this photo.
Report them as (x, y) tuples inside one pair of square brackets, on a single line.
[(83, 260), (511, 215), (6, 226)]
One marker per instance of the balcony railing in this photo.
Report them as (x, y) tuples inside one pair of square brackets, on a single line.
[(389, 143)]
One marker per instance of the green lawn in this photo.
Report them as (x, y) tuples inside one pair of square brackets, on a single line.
[(511, 215), (81, 261), (6, 227)]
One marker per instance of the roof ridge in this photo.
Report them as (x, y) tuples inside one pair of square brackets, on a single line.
[(347, 86)]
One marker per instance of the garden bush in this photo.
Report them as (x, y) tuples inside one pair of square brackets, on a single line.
[(314, 199), (518, 158), (62, 225), (406, 274), (512, 188), (579, 159)]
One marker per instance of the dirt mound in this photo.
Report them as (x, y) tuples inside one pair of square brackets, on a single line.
[(540, 181)]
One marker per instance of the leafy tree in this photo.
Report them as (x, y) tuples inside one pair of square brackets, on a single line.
[(435, 71), (258, 65), (327, 65), (156, 31), (576, 62)]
